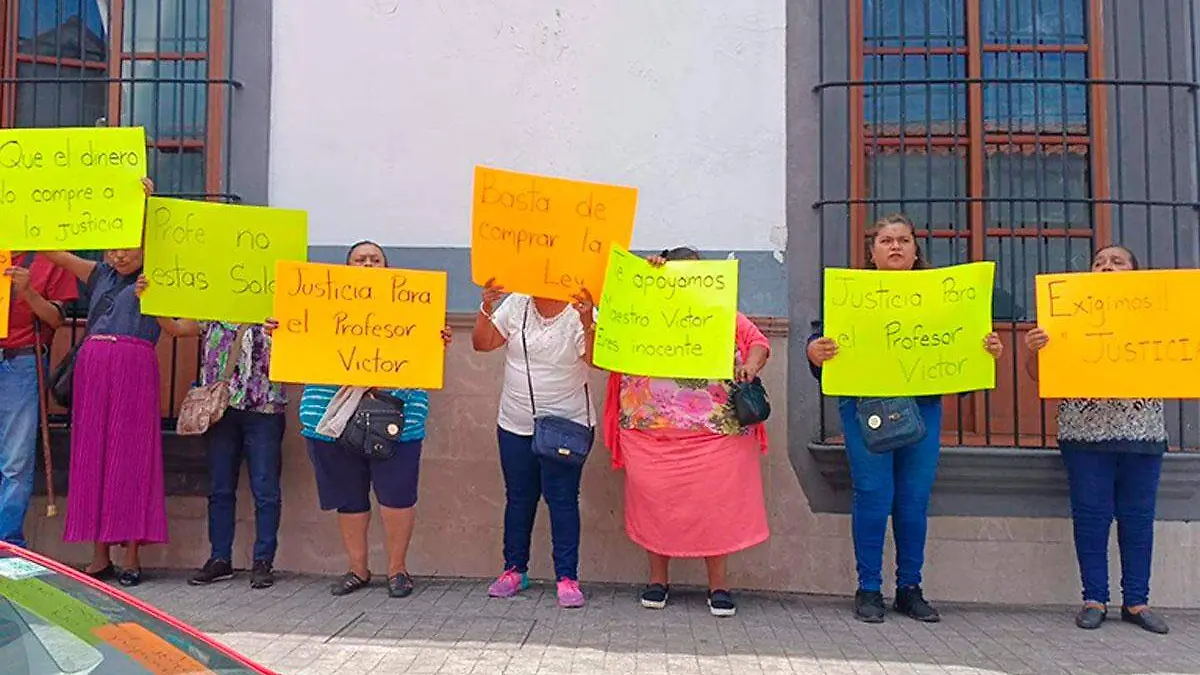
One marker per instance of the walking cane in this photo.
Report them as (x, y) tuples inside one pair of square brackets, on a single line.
[(43, 401)]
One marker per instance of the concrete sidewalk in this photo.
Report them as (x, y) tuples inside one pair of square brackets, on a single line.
[(452, 627)]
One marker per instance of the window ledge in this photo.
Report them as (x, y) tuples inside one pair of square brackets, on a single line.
[(1003, 482)]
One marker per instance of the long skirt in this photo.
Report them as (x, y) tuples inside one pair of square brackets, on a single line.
[(691, 494), (115, 488)]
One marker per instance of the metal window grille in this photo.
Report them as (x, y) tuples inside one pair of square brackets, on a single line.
[(1026, 132), (160, 64)]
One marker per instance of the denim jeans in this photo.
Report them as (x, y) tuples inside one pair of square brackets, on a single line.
[(257, 438), (1104, 486), (896, 484), (18, 443), (527, 479)]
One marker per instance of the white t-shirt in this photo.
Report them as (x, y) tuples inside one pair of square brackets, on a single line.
[(556, 365)]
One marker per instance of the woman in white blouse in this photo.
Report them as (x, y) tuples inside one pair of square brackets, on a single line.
[(548, 349)]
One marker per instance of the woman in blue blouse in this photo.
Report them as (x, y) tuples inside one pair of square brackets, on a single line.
[(345, 479)]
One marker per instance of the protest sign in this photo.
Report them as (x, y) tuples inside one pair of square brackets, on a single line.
[(676, 321), (546, 237), (216, 262), (1120, 335), (72, 189), (359, 326), (913, 333), (5, 291)]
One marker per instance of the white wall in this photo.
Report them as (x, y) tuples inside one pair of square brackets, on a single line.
[(381, 109)]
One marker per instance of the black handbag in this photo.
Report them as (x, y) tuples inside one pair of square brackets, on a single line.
[(750, 402), (62, 380), (558, 438), (890, 423), (375, 427)]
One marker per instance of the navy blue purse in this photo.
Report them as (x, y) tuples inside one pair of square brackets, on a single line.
[(890, 423), (558, 438)]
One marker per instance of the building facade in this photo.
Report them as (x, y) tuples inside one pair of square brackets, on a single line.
[(1021, 131)]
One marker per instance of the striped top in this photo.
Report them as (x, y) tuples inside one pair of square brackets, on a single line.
[(316, 398)]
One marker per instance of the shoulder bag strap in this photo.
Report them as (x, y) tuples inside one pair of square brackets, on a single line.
[(235, 354), (525, 349)]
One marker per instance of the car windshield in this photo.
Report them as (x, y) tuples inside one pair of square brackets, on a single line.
[(51, 624)]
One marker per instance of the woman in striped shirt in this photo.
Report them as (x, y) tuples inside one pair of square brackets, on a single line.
[(344, 479)]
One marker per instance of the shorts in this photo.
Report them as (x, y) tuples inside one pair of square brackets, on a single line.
[(344, 479)]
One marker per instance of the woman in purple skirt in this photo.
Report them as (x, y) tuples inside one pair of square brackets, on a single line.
[(116, 473)]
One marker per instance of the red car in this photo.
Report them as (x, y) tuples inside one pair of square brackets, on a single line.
[(57, 621)]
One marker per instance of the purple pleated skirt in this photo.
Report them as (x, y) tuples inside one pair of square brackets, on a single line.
[(115, 491)]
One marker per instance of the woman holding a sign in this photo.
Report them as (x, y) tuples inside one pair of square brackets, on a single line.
[(892, 446), (345, 477), (693, 480), (548, 350), (116, 473), (1113, 450)]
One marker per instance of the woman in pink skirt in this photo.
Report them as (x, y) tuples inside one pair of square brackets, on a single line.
[(115, 489), (693, 483)]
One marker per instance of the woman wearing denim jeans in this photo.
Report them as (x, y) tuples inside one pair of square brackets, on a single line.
[(1113, 450), (897, 483), (251, 429), (556, 342)]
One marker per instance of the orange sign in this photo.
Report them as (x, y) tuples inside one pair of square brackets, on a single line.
[(358, 326), (152, 652), (1120, 334), (546, 237), (5, 292)]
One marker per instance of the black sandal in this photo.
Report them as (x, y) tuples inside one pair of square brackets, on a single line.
[(400, 585), (130, 577), (107, 573), (349, 583)]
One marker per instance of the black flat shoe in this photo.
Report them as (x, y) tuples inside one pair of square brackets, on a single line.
[(1146, 620), (348, 583), (108, 573), (869, 606), (1090, 617), (400, 585), (655, 596), (130, 577), (910, 601)]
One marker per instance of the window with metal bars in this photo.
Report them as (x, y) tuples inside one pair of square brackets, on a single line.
[(159, 64), (990, 124)]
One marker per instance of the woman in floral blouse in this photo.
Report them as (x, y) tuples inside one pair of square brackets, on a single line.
[(693, 484), (252, 430)]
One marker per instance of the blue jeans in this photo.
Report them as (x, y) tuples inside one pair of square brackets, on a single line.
[(257, 438), (18, 444), (896, 484), (1104, 486), (527, 479)]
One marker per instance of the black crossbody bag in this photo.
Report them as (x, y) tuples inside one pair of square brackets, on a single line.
[(557, 438)]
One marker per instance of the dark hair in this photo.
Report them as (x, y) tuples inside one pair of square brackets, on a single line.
[(1132, 256), (366, 242), (680, 253), (894, 219)]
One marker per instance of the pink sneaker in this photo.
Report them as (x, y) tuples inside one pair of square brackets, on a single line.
[(569, 595), (509, 584)]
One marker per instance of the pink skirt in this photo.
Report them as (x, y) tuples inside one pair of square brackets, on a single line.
[(115, 488), (693, 494)]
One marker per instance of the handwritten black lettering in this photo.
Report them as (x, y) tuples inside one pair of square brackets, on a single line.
[(1104, 347), (374, 363), (849, 292), (88, 225), (263, 282), (919, 337), (327, 289), (530, 199), (369, 326), (921, 370)]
